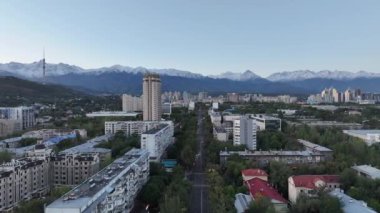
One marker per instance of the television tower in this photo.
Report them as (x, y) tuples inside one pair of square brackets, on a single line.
[(43, 67)]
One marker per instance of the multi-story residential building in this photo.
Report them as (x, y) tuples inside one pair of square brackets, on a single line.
[(233, 97), (131, 103), (8, 127), (202, 96), (245, 132), (21, 180), (73, 168), (310, 184), (152, 97), (367, 171), (265, 122), (132, 127), (25, 115), (112, 189), (167, 108), (191, 105), (156, 140)]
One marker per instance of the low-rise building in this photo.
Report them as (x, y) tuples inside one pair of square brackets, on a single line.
[(248, 174), (260, 188), (367, 171), (265, 122), (370, 136), (310, 184), (349, 204), (157, 140), (265, 157), (242, 202), (112, 114), (112, 189), (312, 147)]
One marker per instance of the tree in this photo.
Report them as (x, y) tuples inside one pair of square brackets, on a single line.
[(5, 156), (261, 205), (187, 156)]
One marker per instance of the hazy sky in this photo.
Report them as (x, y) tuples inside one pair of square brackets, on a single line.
[(202, 36)]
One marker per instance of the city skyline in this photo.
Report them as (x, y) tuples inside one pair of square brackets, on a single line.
[(208, 38)]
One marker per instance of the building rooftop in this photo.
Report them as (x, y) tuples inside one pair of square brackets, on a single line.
[(350, 205), (314, 146), (89, 146), (313, 181), (112, 114), (264, 117), (157, 129), (100, 184), (363, 132), (258, 187), (242, 202), (373, 172), (254, 172), (219, 129), (269, 153)]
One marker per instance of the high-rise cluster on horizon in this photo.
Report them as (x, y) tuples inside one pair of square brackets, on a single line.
[(152, 97)]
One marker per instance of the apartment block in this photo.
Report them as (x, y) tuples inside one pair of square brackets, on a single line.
[(112, 189), (265, 122), (244, 132), (8, 127), (22, 180), (157, 140), (73, 168), (131, 103), (132, 127), (26, 115)]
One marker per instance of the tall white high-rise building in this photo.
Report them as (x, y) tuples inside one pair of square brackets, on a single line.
[(25, 115), (244, 132), (152, 97), (131, 103)]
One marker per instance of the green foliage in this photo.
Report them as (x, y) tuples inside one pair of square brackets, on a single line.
[(120, 144), (5, 157), (27, 142), (323, 203), (261, 205)]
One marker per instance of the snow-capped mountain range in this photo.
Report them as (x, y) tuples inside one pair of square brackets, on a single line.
[(34, 70)]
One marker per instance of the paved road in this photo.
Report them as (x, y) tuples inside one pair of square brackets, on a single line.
[(199, 191)]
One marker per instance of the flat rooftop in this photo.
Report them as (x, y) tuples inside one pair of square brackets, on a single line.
[(264, 117), (371, 171), (269, 153), (89, 146), (100, 184), (157, 129)]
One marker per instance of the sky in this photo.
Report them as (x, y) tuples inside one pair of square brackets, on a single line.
[(201, 36)]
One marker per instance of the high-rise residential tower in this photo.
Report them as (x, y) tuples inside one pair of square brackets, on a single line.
[(152, 97)]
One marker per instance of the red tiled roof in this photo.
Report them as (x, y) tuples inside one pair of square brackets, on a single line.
[(258, 187), (308, 181), (254, 172)]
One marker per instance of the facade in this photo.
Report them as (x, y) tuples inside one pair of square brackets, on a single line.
[(191, 105), (245, 132), (167, 108), (131, 103), (233, 97), (132, 127), (156, 140), (8, 127), (310, 184), (152, 97), (72, 169), (265, 122), (367, 171), (112, 189), (23, 179), (260, 188), (25, 115), (249, 174)]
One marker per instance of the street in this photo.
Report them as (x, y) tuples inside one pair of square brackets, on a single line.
[(199, 191)]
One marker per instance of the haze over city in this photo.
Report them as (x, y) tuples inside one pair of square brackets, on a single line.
[(207, 37)]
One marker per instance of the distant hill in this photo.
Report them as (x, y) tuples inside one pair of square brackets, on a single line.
[(12, 88)]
